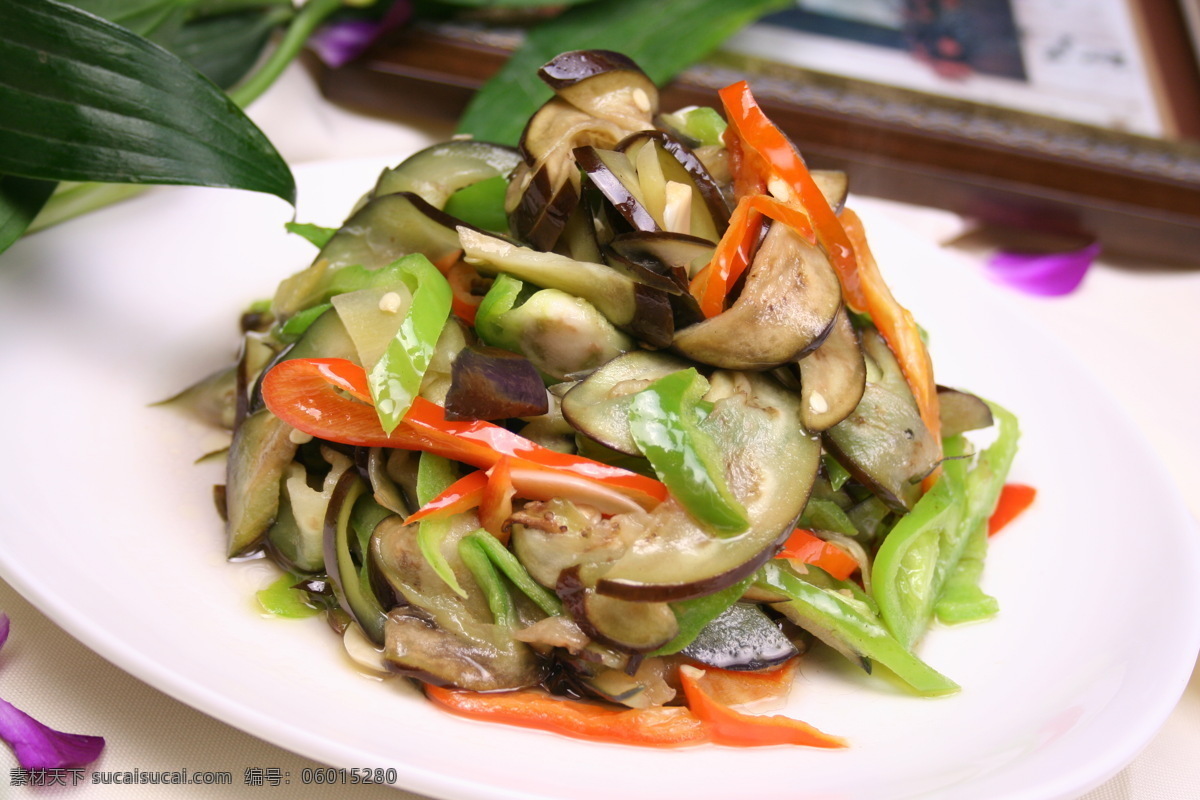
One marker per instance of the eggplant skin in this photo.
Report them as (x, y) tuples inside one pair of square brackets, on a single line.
[(490, 383), (786, 309), (884, 443), (568, 69)]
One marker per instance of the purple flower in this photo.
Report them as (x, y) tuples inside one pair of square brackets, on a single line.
[(36, 745), (342, 42), (1046, 274)]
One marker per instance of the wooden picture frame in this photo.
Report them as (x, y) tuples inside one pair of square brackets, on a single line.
[(1137, 195)]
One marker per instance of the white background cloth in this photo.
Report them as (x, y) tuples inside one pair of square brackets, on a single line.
[(1133, 324)]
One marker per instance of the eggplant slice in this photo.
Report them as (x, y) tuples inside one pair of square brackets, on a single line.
[(832, 377), (598, 406), (435, 635), (439, 171), (664, 555), (883, 443), (786, 308)]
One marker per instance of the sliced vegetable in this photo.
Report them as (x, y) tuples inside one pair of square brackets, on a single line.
[(735, 729), (512, 568), (1014, 499), (664, 422), (489, 582), (850, 626), (962, 599), (434, 476), (659, 726), (304, 392), (491, 383), (396, 378), (785, 310), (905, 573), (767, 152), (353, 593), (742, 638), (733, 255), (283, 599), (808, 548)]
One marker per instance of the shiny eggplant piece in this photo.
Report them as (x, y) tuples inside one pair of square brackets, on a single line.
[(604, 84), (439, 171), (771, 464), (211, 400), (560, 333), (633, 307), (614, 175), (598, 406), (786, 308), (490, 383), (961, 412), (670, 161), (630, 627), (664, 555), (673, 254), (832, 377), (741, 638), (261, 450), (883, 443), (834, 185), (546, 186), (435, 635), (539, 214)]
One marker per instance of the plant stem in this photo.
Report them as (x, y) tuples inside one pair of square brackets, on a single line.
[(302, 26), (71, 200)]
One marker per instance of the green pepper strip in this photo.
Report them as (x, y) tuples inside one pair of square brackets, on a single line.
[(961, 598), (354, 594), (282, 599), (481, 204), (434, 475), (904, 576), (924, 549), (664, 420), (396, 378), (846, 623), (504, 294), (826, 515), (494, 591), (515, 571)]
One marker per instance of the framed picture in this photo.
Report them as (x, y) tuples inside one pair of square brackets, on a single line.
[(1008, 128), (1078, 60)]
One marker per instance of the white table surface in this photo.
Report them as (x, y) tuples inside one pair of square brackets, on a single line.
[(1133, 324)]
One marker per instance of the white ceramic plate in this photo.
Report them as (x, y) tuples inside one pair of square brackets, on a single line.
[(109, 528)]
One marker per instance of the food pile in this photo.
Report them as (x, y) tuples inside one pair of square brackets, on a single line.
[(599, 434)]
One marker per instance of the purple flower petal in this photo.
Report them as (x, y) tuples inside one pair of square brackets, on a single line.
[(36, 745), (1046, 274), (40, 747), (342, 42)]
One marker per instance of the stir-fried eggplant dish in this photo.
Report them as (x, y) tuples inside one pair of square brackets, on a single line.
[(601, 433)]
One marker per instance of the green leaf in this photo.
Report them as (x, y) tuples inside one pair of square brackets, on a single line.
[(147, 18), (636, 28), (513, 3), (86, 100), (20, 201), (224, 48)]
